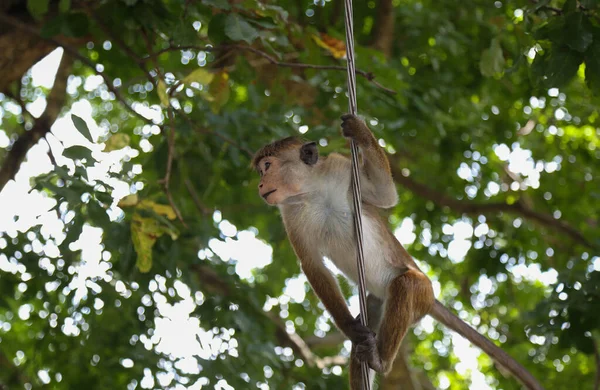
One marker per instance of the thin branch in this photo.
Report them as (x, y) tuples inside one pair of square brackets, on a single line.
[(113, 37), (199, 205), (213, 284), (170, 156), (469, 207), (367, 75), (20, 102), (206, 131), (41, 126), (75, 54), (556, 11)]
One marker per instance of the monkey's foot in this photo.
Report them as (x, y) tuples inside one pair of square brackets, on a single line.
[(366, 351)]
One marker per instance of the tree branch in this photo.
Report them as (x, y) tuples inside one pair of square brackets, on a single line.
[(75, 54), (55, 101), (383, 30), (469, 207), (367, 75), (206, 131), (199, 205), (170, 156), (213, 283)]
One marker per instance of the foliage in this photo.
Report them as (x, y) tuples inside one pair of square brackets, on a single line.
[(182, 93)]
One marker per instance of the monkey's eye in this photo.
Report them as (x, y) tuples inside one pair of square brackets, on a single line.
[(267, 165)]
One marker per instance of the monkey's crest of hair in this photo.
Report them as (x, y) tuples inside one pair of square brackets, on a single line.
[(275, 148)]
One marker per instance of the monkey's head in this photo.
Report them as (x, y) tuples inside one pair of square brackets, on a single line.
[(284, 168)]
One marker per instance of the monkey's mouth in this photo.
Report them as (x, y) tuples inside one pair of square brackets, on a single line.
[(265, 195)]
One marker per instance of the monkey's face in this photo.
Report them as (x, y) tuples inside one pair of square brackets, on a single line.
[(285, 175), (276, 180)]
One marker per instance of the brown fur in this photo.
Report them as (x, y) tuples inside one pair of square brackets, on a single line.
[(275, 148), (315, 200)]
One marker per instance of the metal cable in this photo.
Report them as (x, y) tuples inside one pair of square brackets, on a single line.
[(360, 260)]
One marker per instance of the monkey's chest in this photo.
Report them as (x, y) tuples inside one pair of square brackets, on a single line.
[(332, 230)]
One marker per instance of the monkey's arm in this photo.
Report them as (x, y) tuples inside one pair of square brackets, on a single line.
[(377, 185), (328, 291)]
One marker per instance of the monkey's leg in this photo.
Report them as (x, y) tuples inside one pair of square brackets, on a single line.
[(374, 311), (410, 297)]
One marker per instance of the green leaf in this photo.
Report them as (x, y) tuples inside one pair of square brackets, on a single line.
[(569, 6), (221, 4), (578, 31), (52, 27), (592, 68), (64, 5), (98, 214), (492, 59), (265, 22), (238, 29), (552, 30), (75, 25), (116, 142), (162, 93), (589, 4), (200, 75), (275, 10), (78, 152), (37, 8), (82, 127), (555, 68), (216, 29)]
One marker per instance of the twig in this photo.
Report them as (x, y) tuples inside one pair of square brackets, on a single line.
[(201, 207), (469, 207), (20, 102), (170, 137), (41, 126), (73, 53), (367, 75), (557, 11), (223, 137), (50, 153), (113, 37), (166, 180), (214, 284)]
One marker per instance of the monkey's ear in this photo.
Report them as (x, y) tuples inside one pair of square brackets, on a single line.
[(309, 153)]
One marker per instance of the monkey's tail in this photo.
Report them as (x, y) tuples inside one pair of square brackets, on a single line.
[(446, 317)]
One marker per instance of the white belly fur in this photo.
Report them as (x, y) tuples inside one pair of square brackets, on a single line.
[(331, 225), (378, 271)]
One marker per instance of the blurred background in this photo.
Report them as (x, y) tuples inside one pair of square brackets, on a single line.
[(136, 253)]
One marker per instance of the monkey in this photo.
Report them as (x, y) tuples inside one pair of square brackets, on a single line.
[(313, 194)]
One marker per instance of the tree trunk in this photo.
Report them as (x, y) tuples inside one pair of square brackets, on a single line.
[(383, 32)]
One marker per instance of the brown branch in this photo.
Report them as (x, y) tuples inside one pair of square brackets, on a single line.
[(219, 135), (556, 11), (199, 205), (367, 75), (213, 284), (383, 30), (41, 126), (170, 156), (113, 37), (75, 54), (469, 207), (20, 102)]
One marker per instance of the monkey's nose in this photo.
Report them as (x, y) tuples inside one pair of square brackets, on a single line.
[(260, 185)]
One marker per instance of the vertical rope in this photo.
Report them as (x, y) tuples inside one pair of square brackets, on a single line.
[(360, 260)]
